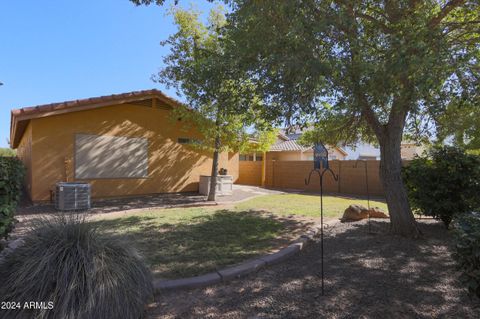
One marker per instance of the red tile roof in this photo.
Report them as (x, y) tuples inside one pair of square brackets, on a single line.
[(20, 117)]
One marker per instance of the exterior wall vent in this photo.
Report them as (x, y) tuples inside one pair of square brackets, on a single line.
[(72, 196)]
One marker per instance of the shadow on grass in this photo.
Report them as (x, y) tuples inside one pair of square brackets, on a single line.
[(367, 276), (203, 243)]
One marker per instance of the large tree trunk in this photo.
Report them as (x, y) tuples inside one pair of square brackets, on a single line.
[(401, 217), (213, 179)]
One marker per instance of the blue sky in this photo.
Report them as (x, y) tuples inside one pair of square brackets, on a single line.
[(54, 51)]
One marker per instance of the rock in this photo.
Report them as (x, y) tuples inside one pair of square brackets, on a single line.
[(359, 212), (354, 213), (376, 212)]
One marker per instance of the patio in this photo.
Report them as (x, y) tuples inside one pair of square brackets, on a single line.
[(168, 200)]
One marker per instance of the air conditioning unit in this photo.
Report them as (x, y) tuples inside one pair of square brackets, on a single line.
[(72, 196)]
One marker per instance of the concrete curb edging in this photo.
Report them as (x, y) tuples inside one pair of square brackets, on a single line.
[(240, 270)]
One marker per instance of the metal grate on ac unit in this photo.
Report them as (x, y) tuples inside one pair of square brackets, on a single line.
[(72, 196)]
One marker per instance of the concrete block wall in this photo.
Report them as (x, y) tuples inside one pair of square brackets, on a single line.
[(292, 175)]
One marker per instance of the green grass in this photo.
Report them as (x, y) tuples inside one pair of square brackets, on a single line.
[(192, 241), (305, 205), (185, 242)]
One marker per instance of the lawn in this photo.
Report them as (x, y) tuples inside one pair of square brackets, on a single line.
[(192, 241), (183, 242), (306, 205)]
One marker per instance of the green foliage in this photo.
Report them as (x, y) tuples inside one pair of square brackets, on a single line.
[(364, 66), (461, 121), (7, 152), (223, 102), (85, 274), (11, 181), (445, 184), (260, 141), (467, 254)]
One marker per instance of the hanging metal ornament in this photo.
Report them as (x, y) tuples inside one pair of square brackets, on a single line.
[(320, 166)]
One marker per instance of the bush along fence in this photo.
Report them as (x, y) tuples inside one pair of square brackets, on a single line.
[(11, 180), (444, 184), (467, 254)]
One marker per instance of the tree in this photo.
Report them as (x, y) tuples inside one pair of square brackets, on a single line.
[(366, 69), (461, 123), (222, 104)]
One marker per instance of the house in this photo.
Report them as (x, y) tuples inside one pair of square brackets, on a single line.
[(287, 148), (123, 144), (365, 151)]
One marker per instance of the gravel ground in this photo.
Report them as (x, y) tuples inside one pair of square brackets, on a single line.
[(366, 276)]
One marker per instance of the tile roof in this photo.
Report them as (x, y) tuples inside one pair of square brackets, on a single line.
[(290, 145), (94, 100), (20, 117)]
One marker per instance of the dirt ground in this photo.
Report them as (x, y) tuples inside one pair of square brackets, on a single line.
[(366, 276)]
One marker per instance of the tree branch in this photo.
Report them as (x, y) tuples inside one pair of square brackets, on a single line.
[(452, 4), (377, 22)]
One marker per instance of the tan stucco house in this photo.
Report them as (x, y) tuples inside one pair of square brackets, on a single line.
[(123, 144), (287, 148)]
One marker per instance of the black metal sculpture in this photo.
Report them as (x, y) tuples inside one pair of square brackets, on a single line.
[(320, 166)]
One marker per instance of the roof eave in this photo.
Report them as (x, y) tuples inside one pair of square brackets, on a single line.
[(26, 114)]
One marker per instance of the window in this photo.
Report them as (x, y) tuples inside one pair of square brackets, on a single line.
[(259, 158), (184, 140), (247, 157), (99, 156)]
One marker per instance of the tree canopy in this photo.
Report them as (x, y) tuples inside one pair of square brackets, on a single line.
[(223, 101), (369, 69), (363, 66), (362, 70)]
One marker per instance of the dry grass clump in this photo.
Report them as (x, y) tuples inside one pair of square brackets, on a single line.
[(85, 274)]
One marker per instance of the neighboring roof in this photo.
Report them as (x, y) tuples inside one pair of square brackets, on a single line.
[(290, 145), (21, 117), (282, 136)]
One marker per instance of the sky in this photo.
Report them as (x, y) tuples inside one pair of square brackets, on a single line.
[(55, 50)]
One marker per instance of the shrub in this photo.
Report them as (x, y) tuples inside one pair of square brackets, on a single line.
[(5, 151), (467, 254), (85, 274), (11, 181), (445, 183)]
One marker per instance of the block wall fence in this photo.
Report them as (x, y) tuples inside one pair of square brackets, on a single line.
[(292, 174)]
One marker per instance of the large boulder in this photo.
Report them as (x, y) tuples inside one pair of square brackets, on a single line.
[(354, 213), (359, 212), (376, 212)]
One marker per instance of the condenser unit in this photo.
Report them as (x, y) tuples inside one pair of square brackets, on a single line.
[(72, 196)]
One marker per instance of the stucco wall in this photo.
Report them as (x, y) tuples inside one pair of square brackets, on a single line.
[(172, 167), (250, 173), (24, 153), (410, 150), (301, 156), (292, 174)]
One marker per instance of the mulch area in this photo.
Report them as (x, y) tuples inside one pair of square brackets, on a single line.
[(366, 275), (119, 204)]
